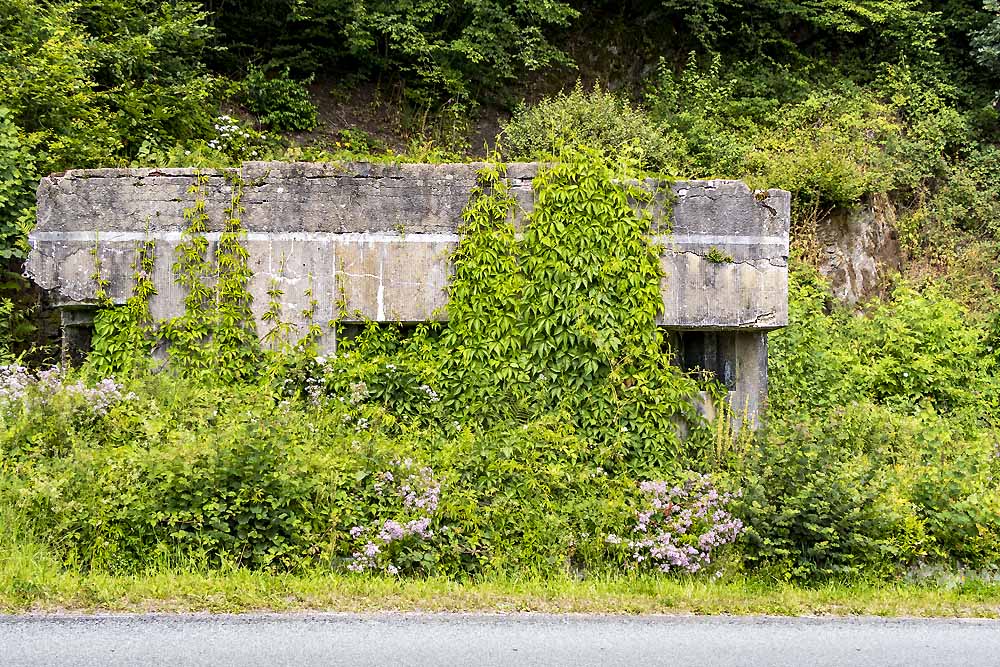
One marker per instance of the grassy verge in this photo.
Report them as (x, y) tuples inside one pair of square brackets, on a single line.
[(32, 580), (244, 591)]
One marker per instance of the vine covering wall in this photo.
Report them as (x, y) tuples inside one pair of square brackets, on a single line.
[(557, 317)]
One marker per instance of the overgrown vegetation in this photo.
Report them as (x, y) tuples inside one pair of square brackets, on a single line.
[(538, 433), (526, 426), (597, 118), (831, 100), (388, 456), (883, 442)]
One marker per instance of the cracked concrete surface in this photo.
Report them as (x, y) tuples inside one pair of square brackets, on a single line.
[(383, 234), (379, 237)]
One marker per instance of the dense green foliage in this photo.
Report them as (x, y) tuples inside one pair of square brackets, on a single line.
[(830, 99), (882, 447), (550, 396), (279, 102), (243, 478), (513, 441), (440, 48), (524, 438), (88, 84), (595, 118), (564, 319)]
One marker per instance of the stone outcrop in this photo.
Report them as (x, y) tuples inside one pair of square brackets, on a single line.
[(859, 248)]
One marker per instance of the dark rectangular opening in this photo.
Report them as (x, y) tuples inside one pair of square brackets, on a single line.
[(712, 351)]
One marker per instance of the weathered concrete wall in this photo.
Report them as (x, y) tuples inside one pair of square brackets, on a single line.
[(386, 231), (738, 358), (380, 237)]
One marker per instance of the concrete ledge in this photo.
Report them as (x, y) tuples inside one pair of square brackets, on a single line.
[(383, 234)]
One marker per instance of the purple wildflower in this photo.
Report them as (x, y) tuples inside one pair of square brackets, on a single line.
[(682, 526), (391, 531)]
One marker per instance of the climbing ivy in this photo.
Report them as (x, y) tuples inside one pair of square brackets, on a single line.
[(123, 336), (216, 333), (188, 333), (563, 319), (235, 345), (277, 335), (481, 369), (551, 312)]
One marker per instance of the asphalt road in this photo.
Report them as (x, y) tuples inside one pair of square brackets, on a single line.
[(468, 639)]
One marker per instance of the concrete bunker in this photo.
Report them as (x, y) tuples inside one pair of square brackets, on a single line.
[(379, 238)]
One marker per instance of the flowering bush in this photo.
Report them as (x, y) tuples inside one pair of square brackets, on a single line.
[(680, 527), (238, 141), (14, 382), (46, 413), (20, 386), (402, 543)]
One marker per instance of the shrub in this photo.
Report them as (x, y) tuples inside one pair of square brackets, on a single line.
[(813, 507), (969, 198), (912, 348), (919, 347), (8, 327), (953, 485), (402, 544), (236, 140), (680, 527), (597, 118), (17, 178), (88, 84), (527, 500), (278, 101), (809, 365), (244, 495), (189, 476), (830, 147), (699, 111)]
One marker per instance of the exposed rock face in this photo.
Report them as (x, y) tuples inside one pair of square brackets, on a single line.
[(859, 248)]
